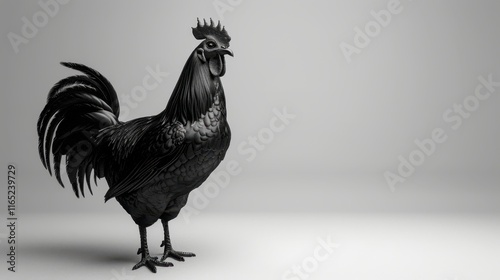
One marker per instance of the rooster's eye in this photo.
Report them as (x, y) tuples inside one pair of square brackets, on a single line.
[(211, 45)]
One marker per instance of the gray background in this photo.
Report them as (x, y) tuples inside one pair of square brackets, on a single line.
[(323, 175), (352, 121)]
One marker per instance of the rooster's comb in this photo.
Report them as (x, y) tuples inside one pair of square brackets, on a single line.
[(201, 32)]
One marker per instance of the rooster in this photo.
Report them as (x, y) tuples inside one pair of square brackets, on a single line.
[(151, 164)]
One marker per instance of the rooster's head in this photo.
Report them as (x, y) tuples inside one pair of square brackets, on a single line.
[(214, 46)]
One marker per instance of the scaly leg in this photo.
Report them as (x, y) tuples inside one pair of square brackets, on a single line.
[(146, 259), (169, 251)]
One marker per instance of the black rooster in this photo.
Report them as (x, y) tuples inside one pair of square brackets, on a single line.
[(152, 163)]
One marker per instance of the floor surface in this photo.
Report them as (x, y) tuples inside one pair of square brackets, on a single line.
[(264, 246)]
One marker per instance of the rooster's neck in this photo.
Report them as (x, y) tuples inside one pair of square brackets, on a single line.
[(194, 93)]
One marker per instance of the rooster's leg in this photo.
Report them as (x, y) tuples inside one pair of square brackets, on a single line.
[(146, 259), (169, 251)]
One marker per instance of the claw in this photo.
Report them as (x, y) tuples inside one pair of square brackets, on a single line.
[(176, 255), (151, 263)]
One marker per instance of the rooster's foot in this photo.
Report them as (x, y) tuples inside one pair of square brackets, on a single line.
[(151, 263), (176, 255)]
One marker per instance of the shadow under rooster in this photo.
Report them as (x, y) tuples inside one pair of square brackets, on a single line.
[(152, 163)]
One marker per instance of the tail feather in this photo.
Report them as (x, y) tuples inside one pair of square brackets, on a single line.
[(71, 80), (57, 168), (88, 172), (81, 177), (77, 108), (105, 87), (72, 96), (74, 99)]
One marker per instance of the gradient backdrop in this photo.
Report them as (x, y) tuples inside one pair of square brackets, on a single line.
[(355, 116)]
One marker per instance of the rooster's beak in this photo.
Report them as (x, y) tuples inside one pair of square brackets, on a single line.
[(226, 51)]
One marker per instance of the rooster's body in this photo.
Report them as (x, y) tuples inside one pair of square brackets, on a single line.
[(152, 163)]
